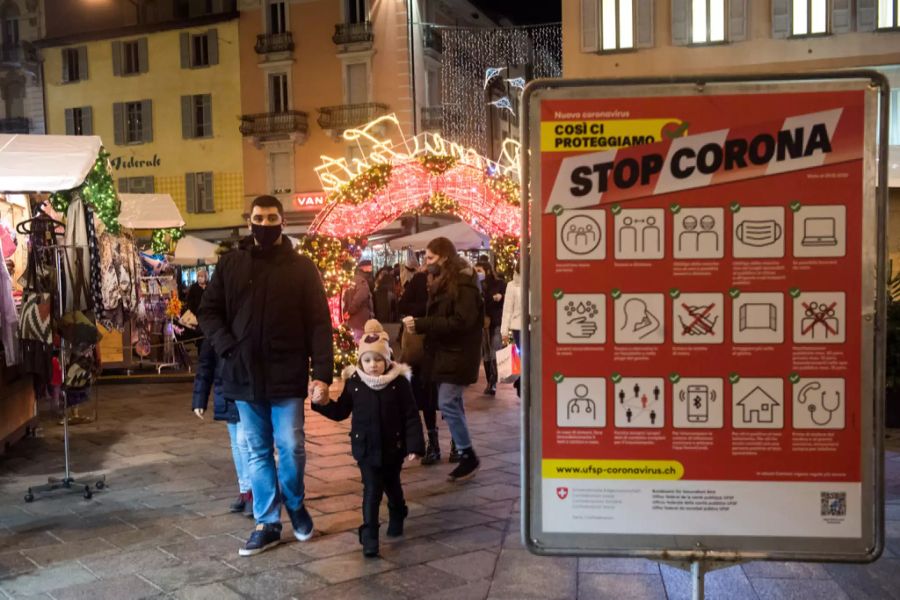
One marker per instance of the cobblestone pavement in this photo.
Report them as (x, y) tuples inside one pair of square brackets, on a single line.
[(162, 528)]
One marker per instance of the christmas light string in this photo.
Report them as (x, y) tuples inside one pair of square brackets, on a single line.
[(98, 191)]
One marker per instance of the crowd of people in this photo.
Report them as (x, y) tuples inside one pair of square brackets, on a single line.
[(268, 346)]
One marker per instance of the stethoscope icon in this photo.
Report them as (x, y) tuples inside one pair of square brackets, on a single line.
[(824, 402)]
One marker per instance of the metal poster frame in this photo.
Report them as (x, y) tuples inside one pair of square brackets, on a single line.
[(872, 321)]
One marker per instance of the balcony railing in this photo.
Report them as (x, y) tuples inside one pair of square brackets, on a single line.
[(18, 54), (431, 37), (432, 118), (274, 42), (347, 116), (269, 124), (15, 125), (352, 33)]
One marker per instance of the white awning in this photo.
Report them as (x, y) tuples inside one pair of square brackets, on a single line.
[(191, 250), (462, 236), (46, 163), (149, 211)]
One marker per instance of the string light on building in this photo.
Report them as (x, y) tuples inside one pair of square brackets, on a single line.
[(162, 240), (506, 255), (490, 73)]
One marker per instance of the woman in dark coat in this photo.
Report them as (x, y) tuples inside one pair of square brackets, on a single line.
[(452, 327), (385, 298), (493, 290)]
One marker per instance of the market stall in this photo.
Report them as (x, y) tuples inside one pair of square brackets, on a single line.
[(461, 234)]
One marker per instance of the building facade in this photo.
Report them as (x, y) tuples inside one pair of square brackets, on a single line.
[(311, 69), (163, 96), (647, 38), (21, 93)]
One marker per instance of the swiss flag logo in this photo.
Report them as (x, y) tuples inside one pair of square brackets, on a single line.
[(562, 492)]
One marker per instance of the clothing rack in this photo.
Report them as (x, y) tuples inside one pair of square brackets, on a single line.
[(67, 482), (169, 341)]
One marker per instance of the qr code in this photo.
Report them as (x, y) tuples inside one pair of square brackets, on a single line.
[(834, 504)]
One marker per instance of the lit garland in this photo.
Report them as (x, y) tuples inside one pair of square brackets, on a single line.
[(362, 187), (335, 257), (506, 255), (344, 348), (439, 204), (505, 187), (98, 191), (437, 164), (162, 239)]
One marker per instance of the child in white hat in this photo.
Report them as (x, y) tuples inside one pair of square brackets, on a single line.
[(384, 430)]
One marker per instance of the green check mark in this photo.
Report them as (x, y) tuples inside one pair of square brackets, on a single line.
[(675, 208), (616, 377), (676, 133), (558, 294), (674, 293), (734, 207), (734, 378), (794, 292), (734, 293), (557, 210), (616, 293), (558, 377), (795, 206), (674, 377), (615, 209), (794, 377)]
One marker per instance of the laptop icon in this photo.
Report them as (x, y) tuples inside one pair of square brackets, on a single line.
[(819, 231)]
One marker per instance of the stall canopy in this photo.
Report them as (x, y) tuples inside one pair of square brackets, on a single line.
[(192, 250), (149, 211), (46, 163), (461, 234)]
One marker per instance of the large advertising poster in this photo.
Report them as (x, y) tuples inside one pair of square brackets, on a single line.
[(702, 281)]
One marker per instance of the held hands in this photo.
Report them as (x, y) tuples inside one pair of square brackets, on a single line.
[(318, 392), (498, 297), (199, 412)]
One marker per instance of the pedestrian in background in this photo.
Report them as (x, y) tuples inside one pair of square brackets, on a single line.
[(358, 305), (453, 330), (511, 323), (493, 289)]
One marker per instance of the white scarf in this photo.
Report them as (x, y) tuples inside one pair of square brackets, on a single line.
[(379, 382)]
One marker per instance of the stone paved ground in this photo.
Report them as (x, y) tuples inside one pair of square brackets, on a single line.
[(162, 529)]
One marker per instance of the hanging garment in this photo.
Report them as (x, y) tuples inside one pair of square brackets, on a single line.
[(119, 278), (96, 280), (8, 318), (76, 241)]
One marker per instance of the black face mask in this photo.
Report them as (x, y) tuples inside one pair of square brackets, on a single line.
[(434, 270), (266, 235)]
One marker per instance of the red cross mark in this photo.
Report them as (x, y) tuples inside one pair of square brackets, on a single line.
[(700, 321), (819, 315)]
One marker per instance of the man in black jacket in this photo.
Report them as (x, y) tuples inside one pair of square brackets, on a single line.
[(266, 314)]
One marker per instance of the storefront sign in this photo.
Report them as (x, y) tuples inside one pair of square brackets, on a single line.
[(121, 162), (702, 369), (309, 201)]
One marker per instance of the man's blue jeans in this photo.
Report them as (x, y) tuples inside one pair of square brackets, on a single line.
[(450, 401), (277, 424), (241, 455)]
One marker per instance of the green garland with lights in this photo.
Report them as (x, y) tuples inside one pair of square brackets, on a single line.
[(98, 191), (506, 187), (344, 348), (335, 257), (162, 239), (506, 255), (437, 164), (439, 204), (362, 187)]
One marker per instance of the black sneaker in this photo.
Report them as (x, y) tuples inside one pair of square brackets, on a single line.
[(239, 505), (265, 536), (468, 465), (302, 522)]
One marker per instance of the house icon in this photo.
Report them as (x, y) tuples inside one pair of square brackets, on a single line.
[(758, 406)]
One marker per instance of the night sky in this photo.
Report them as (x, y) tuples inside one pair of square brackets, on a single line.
[(523, 12)]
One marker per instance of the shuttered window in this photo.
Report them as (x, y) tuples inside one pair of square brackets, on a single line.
[(610, 25), (809, 17), (196, 116), (79, 121), (199, 50), (698, 22), (74, 64), (888, 11), (199, 192), (133, 122), (136, 185)]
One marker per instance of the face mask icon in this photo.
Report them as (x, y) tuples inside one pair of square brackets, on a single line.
[(759, 233)]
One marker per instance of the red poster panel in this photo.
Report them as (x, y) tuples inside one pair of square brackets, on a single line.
[(701, 284)]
